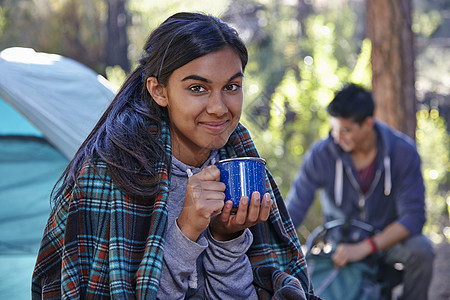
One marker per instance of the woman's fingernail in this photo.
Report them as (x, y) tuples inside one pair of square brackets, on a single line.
[(244, 200)]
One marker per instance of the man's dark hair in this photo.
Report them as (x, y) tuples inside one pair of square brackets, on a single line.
[(352, 102)]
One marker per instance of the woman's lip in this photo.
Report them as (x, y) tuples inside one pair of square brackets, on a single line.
[(215, 126)]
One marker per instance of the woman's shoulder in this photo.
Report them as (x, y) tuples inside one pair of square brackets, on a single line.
[(94, 168), (92, 182), (93, 177)]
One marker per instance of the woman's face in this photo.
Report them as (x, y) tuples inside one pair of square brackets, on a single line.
[(204, 100)]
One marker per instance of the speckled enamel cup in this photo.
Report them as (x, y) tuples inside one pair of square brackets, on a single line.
[(242, 176)]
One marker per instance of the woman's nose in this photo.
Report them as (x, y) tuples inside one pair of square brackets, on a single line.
[(216, 104)]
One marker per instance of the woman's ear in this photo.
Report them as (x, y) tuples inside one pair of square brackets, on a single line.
[(157, 91)]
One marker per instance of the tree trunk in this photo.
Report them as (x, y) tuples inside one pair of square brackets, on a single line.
[(389, 29), (117, 40), (304, 9)]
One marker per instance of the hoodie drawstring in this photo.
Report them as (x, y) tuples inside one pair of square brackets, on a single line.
[(339, 173), (387, 176), (338, 182)]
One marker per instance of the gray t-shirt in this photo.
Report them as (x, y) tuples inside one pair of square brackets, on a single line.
[(205, 269)]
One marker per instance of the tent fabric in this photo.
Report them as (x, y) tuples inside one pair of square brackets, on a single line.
[(13, 123), (50, 104), (29, 168), (60, 96)]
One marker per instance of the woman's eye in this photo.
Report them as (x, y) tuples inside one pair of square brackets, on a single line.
[(197, 89), (232, 87)]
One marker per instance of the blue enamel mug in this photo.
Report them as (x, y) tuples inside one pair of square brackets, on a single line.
[(242, 176)]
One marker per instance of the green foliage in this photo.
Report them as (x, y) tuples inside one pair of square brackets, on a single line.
[(116, 75), (77, 29), (425, 23), (362, 73), (56, 26), (433, 142), (145, 16), (295, 66), (297, 107), (297, 112), (3, 20)]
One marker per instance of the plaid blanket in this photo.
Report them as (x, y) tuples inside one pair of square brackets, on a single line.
[(102, 243)]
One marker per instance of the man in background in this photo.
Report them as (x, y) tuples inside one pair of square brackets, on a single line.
[(368, 172)]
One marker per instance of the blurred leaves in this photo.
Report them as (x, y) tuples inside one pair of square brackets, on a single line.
[(116, 75), (300, 53), (68, 27), (425, 23), (433, 142)]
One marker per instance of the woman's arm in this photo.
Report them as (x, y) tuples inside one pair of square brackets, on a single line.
[(228, 273), (179, 268)]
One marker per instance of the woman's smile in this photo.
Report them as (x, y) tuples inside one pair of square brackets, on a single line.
[(215, 126)]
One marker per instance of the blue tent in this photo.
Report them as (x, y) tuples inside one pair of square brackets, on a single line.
[(48, 105)]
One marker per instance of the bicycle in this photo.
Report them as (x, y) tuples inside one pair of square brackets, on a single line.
[(368, 279)]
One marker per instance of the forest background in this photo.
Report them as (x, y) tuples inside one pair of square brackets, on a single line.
[(301, 52)]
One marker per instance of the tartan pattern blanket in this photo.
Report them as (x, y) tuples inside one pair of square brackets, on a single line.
[(102, 243)]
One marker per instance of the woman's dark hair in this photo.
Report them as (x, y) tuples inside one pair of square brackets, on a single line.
[(127, 136), (352, 102)]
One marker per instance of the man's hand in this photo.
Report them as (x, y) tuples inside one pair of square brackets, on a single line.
[(391, 235), (346, 253)]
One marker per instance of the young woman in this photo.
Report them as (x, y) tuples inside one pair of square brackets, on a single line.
[(139, 211)]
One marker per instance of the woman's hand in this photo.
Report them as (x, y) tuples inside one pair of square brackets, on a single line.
[(226, 226), (204, 198)]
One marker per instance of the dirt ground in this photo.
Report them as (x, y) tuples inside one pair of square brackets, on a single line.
[(440, 283)]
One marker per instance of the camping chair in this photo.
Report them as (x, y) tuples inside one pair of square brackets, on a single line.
[(367, 279)]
